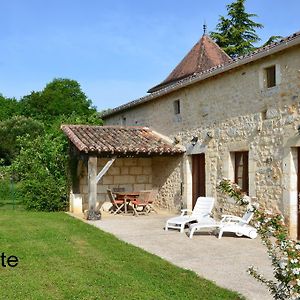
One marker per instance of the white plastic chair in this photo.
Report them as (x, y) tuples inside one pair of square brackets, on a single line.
[(237, 225), (202, 210), (229, 223)]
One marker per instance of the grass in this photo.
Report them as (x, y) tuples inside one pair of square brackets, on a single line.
[(63, 258)]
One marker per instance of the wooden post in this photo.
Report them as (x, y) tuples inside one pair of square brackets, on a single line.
[(92, 213)]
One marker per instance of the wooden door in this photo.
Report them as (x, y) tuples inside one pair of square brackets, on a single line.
[(241, 171), (198, 166), (298, 194)]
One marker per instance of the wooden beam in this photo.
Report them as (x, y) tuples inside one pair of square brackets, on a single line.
[(105, 169), (92, 214), (93, 179)]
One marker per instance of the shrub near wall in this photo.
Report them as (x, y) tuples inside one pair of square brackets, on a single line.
[(41, 170), (283, 251), (43, 166)]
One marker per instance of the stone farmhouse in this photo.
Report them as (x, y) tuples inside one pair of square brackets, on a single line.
[(212, 117)]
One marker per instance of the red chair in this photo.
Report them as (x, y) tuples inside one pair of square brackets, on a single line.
[(152, 197), (144, 201), (117, 204)]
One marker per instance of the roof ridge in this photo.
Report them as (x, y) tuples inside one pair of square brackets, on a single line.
[(106, 126), (233, 63)]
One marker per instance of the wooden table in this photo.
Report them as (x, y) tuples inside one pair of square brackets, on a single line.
[(127, 197)]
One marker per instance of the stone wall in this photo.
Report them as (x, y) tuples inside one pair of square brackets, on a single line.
[(127, 174), (167, 177), (231, 112), (136, 174), (236, 93)]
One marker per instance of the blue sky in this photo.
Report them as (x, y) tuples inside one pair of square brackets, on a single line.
[(116, 49)]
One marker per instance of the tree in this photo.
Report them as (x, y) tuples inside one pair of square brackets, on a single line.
[(272, 39), (43, 166), (236, 33), (11, 130), (8, 108), (61, 97), (33, 148)]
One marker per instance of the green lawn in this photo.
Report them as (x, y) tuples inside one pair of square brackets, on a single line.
[(64, 258)]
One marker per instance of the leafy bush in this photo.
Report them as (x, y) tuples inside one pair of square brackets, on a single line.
[(44, 194), (34, 150), (5, 189), (283, 251), (10, 198), (8, 108), (41, 168), (13, 128)]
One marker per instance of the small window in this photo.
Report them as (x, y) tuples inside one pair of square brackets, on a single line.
[(124, 121), (241, 172), (176, 104), (270, 78)]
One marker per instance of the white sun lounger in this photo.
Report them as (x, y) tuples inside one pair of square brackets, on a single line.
[(229, 223), (202, 210)]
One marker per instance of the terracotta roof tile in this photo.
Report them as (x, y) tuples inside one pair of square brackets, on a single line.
[(118, 140), (289, 41), (203, 56)]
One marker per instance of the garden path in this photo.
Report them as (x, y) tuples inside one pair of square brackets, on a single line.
[(223, 261)]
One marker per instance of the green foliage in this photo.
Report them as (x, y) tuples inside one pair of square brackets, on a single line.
[(91, 119), (41, 168), (44, 193), (8, 108), (35, 146), (272, 39), (10, 198), (59, 97), (283, 251), (236, 33), (13, 128)]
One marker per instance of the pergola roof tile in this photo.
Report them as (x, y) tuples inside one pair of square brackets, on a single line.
[(119, 140)]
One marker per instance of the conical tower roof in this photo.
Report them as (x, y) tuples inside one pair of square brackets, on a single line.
[(203, 56)]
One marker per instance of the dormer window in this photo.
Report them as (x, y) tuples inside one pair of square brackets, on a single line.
[(176, 104)]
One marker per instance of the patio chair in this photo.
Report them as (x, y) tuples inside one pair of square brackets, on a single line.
[(142, 201), (229, 223), (152, 194), (237, 225), (117, 204), (201, 211)]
